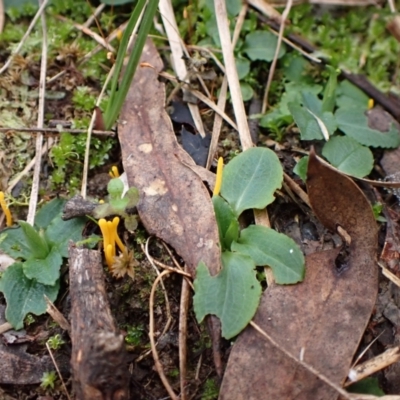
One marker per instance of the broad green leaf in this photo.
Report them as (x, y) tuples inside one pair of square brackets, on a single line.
[(309, 126), (349, 156), (292, 94), (115, 188), (367, 386), (233, 295), (268, 247), (329, 99), (354, 123), (24, 295), (247, 91), (261, 45), (242, 67), (251, 178), (45, 271), (228, 225), (37, 244), (300, 168), (350, 96), (13, 243), (60, 232), (48, 212)]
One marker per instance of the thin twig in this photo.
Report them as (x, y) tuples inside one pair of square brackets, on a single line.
[(157, 361), (275, 60), (27, 33), (302, 363), (39, 138), (5, 327), (58, 371), (296, 189), (95, 14), (233, 80), (56, 130), (89, 136), (25, 171), (167, 304), (183, 315)]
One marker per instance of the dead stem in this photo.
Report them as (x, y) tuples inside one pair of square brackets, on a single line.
[(39, 137), (58, 371), (275, 60), (157, 363), (183, 315)]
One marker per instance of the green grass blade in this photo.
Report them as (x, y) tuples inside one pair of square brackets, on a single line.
[(117, 97)]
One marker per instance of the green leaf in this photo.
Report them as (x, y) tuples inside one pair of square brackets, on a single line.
[(24, 295), (349, 156), (115, 188), (350, 96), (251, 178), (309, 126), (45, 271), (48, 212), (233, 295), (268, 247), (247, 91), (300, 168), (261, 45), (242, 67), (60, 232), (116, 2), (354, 123), (132, 197), (329, 100), (37, 244), (367, 386), (228, 225), (13, 243)]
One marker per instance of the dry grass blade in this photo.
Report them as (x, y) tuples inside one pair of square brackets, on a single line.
[(233, 80), (266, 9), (178, 52), (27, 33), (275, 60), (39, 138)]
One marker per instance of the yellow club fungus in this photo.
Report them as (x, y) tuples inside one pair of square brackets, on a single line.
[(6, 210), (218, 179), (109, 229)]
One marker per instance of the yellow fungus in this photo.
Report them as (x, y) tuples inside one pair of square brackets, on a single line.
[(109, 255), (119, 34), (114, 173), (101, 201), (6, 210), (111, 233), (118, 240), (111, 238), (218, 179), (370, 104)]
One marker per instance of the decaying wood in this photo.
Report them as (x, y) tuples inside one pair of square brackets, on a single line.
[(98, 353)]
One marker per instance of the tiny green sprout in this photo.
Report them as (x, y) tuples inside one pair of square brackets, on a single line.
[(55, 342), (29, 319), (377, 210), (48, 380)]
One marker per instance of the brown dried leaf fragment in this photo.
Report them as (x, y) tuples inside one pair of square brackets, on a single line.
[(174, 203)]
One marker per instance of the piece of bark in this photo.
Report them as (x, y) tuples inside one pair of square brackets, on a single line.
[(174, 203), (17, 367), (98, 353), (320, 320), (77, 207)]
